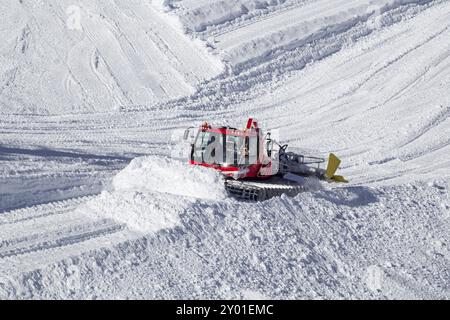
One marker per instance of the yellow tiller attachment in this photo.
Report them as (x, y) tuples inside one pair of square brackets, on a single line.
[(333, 165)]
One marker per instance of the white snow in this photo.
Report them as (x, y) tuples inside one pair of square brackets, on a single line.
[(302, 23), (88, 56), (152, 192), (200, 15), (367, 80), (166, 175), (358, 242), (144, 212)]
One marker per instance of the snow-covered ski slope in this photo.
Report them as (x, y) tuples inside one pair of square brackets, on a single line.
[(85, 56), (368, 80)]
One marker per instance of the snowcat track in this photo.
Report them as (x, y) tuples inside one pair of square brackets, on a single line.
[(257, 191)]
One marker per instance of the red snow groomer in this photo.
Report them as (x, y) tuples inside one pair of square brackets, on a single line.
[(255, 165)]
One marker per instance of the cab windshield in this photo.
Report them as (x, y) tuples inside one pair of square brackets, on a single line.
[(225, 150)]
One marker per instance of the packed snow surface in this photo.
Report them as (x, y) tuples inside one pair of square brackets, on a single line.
[(368, 80), (77, 56)]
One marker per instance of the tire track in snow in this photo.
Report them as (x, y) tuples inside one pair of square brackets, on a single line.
[(434, 122), (386, 65), (359, 80), (274, 14), (34, 244), (42, 210), (51, 226)]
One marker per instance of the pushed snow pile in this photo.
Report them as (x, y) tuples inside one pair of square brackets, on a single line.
[(143, 212), (165, 175), (152, 192)]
